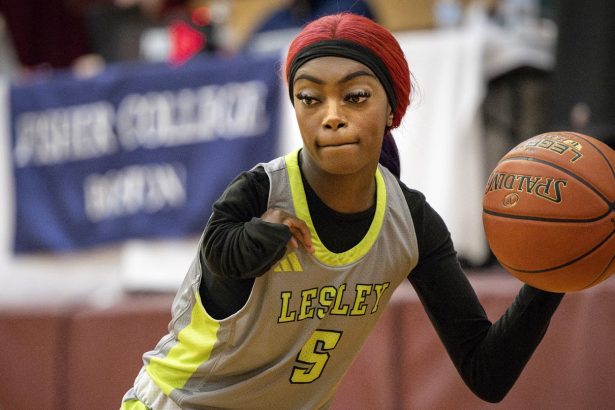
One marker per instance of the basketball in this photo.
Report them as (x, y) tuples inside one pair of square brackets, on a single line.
[(549, 211)]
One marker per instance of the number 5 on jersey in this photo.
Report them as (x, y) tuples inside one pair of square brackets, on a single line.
[(314, 355)]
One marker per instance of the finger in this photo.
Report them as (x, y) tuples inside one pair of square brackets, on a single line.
[(298, 228), (293, 242), (303, 235), (307, 243)]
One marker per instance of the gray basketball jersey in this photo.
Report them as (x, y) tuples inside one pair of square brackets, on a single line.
[(304, 321)]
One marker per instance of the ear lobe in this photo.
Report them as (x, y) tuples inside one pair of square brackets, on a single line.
[(390, 120)]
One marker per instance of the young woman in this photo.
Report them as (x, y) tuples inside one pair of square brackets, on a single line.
[(302, 254)]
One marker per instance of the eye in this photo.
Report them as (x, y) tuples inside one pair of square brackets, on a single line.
[(357, 97), (306, 99)]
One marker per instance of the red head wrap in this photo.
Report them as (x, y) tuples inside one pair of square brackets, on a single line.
[(369, 35)]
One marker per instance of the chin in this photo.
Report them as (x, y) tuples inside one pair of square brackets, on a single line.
[(341, 160), (341, 164)]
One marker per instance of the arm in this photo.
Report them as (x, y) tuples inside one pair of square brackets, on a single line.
[(489, 357), (243, 238), (237, 244)]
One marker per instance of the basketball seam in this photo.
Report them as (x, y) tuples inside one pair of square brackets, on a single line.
[(578, 258), (601, 276), (544, 219), (599, 151), (564, 170)]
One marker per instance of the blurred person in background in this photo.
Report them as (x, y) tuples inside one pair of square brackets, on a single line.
[(84, 34), (277, 29), (299, 12), (46, 34), (8, 58), (116, 27), (583, 79)]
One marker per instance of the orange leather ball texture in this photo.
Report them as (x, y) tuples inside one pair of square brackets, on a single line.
[(549, 211)]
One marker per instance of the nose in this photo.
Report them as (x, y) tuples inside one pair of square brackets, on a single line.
[(333, 119)]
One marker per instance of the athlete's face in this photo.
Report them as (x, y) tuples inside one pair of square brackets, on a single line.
[(342, 111)]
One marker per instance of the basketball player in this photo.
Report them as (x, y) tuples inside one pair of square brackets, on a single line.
[(302, 254)]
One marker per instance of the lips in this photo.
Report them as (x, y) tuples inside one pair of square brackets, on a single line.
[(336, 144)]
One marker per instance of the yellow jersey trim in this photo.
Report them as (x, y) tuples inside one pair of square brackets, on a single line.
[(194, 345), (302, 212), (133, 405), (289, 263)]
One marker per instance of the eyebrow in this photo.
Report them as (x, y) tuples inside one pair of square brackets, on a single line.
[(347, 78)]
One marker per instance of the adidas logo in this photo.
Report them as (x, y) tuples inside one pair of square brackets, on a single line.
[(289, 263)]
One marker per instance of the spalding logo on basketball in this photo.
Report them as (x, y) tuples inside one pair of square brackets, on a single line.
[(549, 211)]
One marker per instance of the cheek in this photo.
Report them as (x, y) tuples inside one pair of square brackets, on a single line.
[(373, 126), (308, 124), (374, 122)]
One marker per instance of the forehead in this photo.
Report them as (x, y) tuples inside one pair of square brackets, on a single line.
[(332, 65)]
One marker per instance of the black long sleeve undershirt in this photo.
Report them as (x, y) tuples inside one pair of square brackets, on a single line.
[(238, 247)]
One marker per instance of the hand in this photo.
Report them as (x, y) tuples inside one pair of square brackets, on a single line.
[(298, 229)]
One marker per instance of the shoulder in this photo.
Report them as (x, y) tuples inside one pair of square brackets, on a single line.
[(256, 178), (254, 185), (247, 193), (431, 230), (417, 202)]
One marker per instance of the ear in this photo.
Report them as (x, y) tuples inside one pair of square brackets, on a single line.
[(390, 119)]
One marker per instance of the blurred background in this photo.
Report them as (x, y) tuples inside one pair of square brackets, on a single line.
[(121, 121)]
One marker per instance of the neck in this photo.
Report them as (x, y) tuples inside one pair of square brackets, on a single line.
[(347, 193)]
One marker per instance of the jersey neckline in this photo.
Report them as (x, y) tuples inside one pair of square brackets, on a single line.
[(321, 252)]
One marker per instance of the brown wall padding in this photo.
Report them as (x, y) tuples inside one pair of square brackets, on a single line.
[(32, 358), (106, 349), (573, 367), (87, 357)]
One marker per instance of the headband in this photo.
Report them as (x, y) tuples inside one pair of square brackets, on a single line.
[(346, 49)]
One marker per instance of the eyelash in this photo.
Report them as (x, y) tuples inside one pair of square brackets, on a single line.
[(362, 95), (304, 98)]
